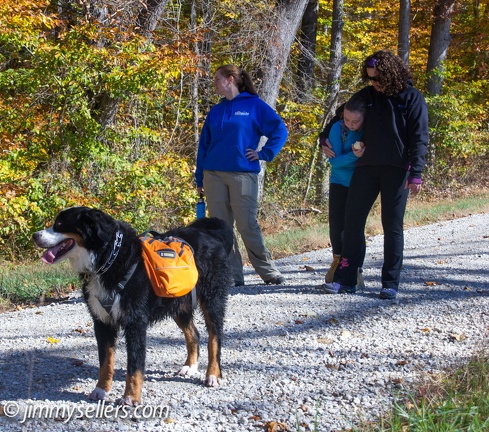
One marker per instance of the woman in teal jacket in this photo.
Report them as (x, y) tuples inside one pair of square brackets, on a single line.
[(228, 164)]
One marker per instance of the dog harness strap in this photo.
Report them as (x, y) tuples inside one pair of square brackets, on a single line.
[(109, 301), (123, 282), (113, 254), (194, 297)]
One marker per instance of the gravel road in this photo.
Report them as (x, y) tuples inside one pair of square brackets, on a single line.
[(292, 354)]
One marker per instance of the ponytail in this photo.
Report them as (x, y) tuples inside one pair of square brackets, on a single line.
[(241, 78)]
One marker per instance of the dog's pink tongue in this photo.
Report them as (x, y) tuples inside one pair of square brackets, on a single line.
[(48, 256)]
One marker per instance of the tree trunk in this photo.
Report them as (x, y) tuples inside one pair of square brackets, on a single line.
[(403, 41), (439, 43), (307, 53), (149, 15), (288, 16), (336, 61), (202, 78)]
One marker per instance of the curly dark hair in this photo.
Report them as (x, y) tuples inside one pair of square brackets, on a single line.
[(392, 73)]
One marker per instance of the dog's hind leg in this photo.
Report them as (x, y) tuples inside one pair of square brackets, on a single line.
[(106, 337), (192, 338), (214, 320)]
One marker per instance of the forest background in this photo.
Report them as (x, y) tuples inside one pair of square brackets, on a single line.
[(101, 102)]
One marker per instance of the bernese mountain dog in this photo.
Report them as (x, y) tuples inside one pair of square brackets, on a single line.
[(107, 255)]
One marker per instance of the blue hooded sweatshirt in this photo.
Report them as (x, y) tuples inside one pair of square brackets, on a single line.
[(231, 127), (343, 164)]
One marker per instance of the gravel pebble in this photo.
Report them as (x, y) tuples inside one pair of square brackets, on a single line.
[(292, 354)]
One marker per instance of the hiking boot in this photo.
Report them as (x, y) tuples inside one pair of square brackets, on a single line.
[(388, 293), (360, 281), (336, 288), (330, 274), (277, 280)]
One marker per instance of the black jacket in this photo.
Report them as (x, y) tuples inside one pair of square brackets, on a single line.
[(395, 129)]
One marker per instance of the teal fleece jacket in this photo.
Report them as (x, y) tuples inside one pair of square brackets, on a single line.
[(231, 127), (343, 164)]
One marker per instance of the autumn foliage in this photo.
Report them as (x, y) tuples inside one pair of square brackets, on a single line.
[(94, 113)]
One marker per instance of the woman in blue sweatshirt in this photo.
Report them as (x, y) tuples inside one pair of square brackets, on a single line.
[(228, 164)]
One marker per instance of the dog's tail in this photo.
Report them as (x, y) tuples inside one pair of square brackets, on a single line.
[(218, 229)]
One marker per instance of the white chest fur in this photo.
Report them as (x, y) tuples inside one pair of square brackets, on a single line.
[(98, 295)]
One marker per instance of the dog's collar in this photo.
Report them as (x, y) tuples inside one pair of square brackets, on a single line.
[(113, 254)]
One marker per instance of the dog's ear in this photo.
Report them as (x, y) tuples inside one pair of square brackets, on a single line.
[(98, 226)]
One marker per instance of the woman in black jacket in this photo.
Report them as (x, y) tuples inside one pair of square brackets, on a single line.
[(396, 139)]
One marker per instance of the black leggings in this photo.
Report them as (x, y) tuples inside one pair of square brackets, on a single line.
[(366, 184), (337, 206)]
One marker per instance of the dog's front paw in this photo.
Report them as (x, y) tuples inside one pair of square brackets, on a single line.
[(128, 401), (188, 370), (97, 394), (212, 381)]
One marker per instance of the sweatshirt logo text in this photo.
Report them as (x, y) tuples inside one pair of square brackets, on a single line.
[(242, 113)]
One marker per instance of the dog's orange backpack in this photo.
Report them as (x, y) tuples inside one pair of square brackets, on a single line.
[(170, 265)]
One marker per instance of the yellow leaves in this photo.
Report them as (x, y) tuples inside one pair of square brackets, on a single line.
[(52, 340)]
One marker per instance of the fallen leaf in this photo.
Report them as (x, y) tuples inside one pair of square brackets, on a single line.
[(298, 321), (332, 321), (80, 330), (431, 283), (398, 380), (77, 362), (169, 420), (401, 363), (305, 259), (458, 337), (426, 330), (310, 314), (39, 313), (52, 340), (325, 341), (309, 268), (274, 426)]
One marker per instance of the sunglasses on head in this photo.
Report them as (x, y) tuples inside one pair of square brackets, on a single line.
[(372, 62)]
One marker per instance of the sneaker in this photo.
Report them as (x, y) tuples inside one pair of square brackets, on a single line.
[(388, 293), (336, 288), (277, 280)]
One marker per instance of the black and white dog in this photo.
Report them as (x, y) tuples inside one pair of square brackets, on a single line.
[(106, 253)]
